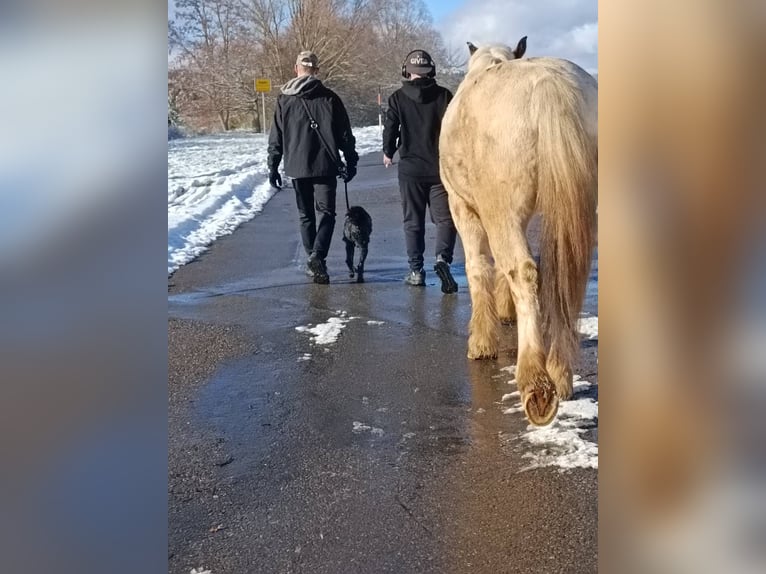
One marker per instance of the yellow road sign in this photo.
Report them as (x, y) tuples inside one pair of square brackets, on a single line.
[(262, 85)]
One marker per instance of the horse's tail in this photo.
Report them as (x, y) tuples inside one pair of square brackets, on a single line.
[(567, 195)]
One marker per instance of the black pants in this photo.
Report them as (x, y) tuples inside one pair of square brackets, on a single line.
[(415, 197), (316, 194)]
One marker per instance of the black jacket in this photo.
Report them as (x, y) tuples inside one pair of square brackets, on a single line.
[(413, 124), (292, 135)]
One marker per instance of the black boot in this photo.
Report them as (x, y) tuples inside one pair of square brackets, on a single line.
[(442, 270), (416, 278), (319, 268)]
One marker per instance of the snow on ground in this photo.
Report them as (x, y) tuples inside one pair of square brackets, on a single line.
[(358, 427), (218, 182), (326, 333), (509, 396), (565, 443), (588, 326), (329, 332)]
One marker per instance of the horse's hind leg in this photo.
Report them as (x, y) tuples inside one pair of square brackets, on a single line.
[(512, 257), (483, 327), (506, 310)]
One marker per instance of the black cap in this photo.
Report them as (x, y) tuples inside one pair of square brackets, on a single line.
[(419, 62)]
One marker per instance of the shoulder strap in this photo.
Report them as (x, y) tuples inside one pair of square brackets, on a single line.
[(336, 161), (315, 126)]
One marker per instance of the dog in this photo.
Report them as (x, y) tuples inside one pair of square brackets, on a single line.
[(357, 229)]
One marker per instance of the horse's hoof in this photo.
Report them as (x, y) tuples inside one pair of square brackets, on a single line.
[(541, 406), (482, 354)]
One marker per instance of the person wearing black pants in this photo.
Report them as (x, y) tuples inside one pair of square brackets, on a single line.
[(310, 127), (416, 196), (412, 127), (316, 195)]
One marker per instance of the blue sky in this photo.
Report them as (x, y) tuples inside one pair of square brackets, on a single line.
[(561, 28), (440, 8)]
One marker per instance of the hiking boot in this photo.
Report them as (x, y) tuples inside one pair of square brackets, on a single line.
[(445, 275), (318, 268), (416, 278)]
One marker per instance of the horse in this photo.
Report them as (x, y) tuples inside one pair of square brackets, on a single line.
[(519, 138)]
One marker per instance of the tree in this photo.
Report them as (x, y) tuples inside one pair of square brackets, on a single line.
[(223, 45), (205, 34)]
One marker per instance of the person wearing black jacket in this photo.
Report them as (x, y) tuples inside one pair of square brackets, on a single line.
[(412, 126), (311, 155)]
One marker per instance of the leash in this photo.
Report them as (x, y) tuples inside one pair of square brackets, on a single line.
[(345, 188), (341, 168)]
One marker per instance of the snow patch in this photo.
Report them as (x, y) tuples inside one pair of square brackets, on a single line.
[(514, 409), (361, 427), (305, 357), (588, 326), (376, 322), (564, 443), (327, 333), (200, 571)]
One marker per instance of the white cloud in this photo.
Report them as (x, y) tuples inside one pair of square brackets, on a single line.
[(561, 28)]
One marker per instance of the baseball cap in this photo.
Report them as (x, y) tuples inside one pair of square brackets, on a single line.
[(307, 58), (419, 62)]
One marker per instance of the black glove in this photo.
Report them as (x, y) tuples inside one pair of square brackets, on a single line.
[(349, 173), (275, 179)]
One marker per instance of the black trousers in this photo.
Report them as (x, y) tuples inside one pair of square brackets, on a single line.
[(316, 195), (416, 196)]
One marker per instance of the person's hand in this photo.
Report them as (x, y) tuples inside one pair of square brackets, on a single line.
[(275, 179), (350, 173), (387, 161)]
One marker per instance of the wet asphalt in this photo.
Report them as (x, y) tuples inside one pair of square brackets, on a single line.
[(386, 451)]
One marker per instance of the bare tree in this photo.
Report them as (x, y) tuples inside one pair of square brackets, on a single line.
[(204, 33), (223, 45), (333, 29)]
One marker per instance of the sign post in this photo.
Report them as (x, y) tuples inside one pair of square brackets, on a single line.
[(263, 85), (380, 112)]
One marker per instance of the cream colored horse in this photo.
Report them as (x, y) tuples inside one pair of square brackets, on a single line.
[(520, 137)]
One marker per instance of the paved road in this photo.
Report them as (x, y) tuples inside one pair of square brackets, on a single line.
[(385, 451)]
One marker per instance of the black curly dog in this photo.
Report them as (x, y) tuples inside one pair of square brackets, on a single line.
[(357, 229)]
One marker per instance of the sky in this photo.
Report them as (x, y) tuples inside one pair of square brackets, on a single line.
[(562, 28)]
